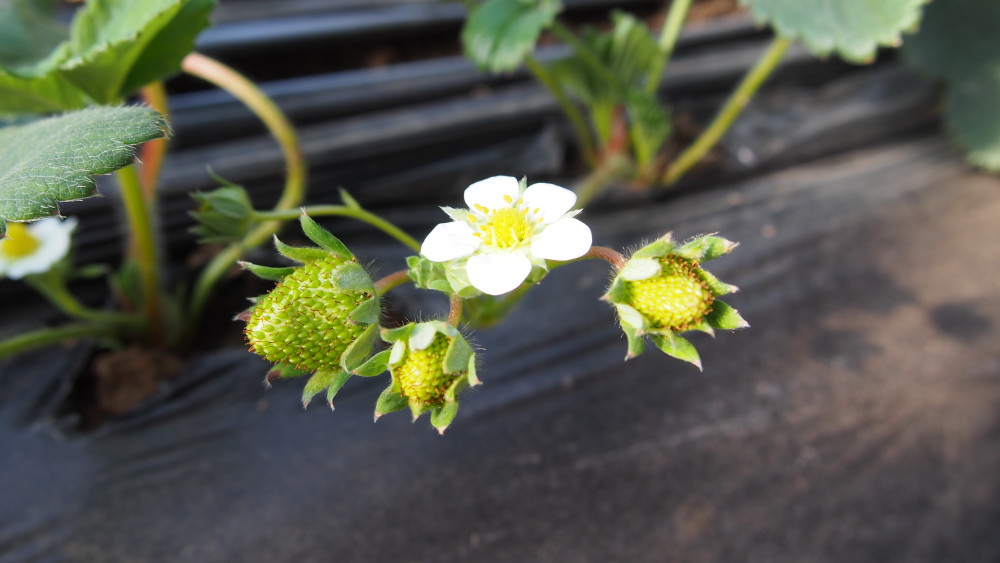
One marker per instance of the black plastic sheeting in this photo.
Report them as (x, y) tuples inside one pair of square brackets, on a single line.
[(857, 420)]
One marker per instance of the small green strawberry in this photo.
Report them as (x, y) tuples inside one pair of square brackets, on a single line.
[(662, 291), (321, 317), (430, 363)]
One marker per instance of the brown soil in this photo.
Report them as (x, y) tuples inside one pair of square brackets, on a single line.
[(125, 378)]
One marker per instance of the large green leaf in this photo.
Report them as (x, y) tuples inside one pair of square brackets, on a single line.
[(29, 31), (959, 41), (52, 160), (499, 34), (853, 29)]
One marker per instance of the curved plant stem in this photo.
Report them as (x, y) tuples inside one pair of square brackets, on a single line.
[(732, 108), (47, 336), (54, 289), (583, 133), (295, 167), (455, 310), (153, 152), (142, 248), (668, 39), (609, 255), (343, 211), (614, 167), (391, 281)]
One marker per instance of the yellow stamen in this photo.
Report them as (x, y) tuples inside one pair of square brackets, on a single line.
[(19, 242), (507, 228)]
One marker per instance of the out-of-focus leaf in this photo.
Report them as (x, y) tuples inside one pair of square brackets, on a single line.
[(29, 32), (52, 160), (499, 34), (853, 29)]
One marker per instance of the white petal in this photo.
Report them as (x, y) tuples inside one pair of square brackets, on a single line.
[(565, 239), (53, 236), (496, 274), (493, 193), (551, 201), (448, 241)]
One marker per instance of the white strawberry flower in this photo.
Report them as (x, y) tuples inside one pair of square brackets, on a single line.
[(507, 230), (34, 248)]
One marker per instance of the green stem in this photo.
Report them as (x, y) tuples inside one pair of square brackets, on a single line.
[(610, 170), (295, 168), (154, 151), (455, 310), (668, 39), (609, 255), (48, 336), (343, 211), (572, 112), (142, 248), (392, 281), (54, 289), (734, 105)]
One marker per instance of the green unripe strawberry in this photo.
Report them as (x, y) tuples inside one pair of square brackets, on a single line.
[(676, 299), (430, 363), (303, 321), (662, 291)]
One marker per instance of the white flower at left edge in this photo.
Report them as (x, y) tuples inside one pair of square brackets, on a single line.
[(507, 230), (33, 248)]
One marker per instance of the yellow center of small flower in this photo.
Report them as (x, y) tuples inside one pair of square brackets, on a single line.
[(506, 228), (19, 242)]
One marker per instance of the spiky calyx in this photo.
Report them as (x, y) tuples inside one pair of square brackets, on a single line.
[(321, 317), (430, 363), (662, 291)]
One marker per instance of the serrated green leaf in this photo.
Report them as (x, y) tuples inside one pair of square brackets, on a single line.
[(677, 347), (52, 160), (854, 29), (442, 416), (324, 238), (649, 125), (725, 317), (375, 365), (499, 34), (301, 254), (267, 272), (359, 350), (389, 401), (163, 55), (29, 32)]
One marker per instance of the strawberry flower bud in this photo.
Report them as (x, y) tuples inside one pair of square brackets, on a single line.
[(662, 291), (223, 215), (321, 318), (430, 363)]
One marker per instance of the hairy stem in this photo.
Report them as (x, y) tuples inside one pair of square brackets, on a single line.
[(729, 112), (613, 257), (47, 336), (393, 280), (344, 211), (142, 248), (455, 310), (295, 167), (668, 39)]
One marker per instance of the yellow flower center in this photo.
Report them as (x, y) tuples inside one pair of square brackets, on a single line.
[(507, 228), (19, 242)]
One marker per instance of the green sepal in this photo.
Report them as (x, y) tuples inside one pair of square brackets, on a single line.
[(640, 269), (618, 292), (284, 371), (631, 317), (471, 376), (703, 326), (348, 199), (368, 312), (398, 352), (389, 401), (725, 317), (335, 387), (266, 272), (323, 237), (317, 383), (299, 254), (706, 247), (459, 215), (422, 336), (397, 334), (375, 365), (352, 277), (636, 343), (456, 387), (716, 286), (456, 359), (659, 247), (440, 285), (677, 347), (442, 416), (358, 351)]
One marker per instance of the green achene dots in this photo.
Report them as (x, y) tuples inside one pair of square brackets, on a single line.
[(303, 321), (676, 298), (421, 374)]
